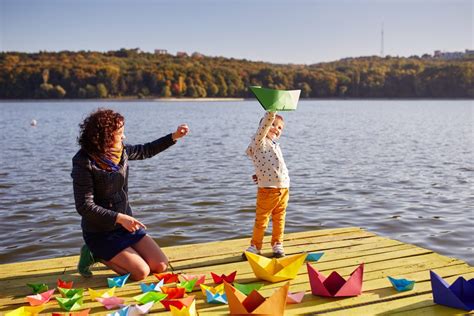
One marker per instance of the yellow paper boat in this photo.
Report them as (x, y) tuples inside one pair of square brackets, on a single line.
[(255, 303), (97, 294), (275, 270), (184, 311), (214, 290), (26, 311)]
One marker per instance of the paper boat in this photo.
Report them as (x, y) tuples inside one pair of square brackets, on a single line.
[(276, 100), (148, 297), (152, 287), (64, 284), (71, 303), (95, 294), (133, 310), (184, 311), (255, 303), (248, 288), (214, 290), (84, 312), (110, 302), (275, 270), (201, 278), (402, 285), (173, 292), (40, 299), (218, 279), (294, 298), (178, 302), (459, 295), (118, 281), (216, 298), (167, 277), (26, 311), (38, 287), (314, 256), (335, 285), (187, 285)]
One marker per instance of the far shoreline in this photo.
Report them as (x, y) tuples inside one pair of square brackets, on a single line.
[(159, 100)]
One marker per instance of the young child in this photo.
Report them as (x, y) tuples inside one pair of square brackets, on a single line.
[(271, 176)]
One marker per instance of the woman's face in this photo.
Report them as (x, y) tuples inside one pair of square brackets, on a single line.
[(119, 136)]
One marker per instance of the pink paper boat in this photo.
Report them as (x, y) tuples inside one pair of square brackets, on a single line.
[(294, 298), (335, 285), (110, 302), (40, 299), (201, 278)]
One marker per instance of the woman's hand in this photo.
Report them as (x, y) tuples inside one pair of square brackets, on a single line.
[(181, 131), (129, 223)]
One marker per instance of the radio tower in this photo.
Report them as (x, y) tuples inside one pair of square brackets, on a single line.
[(381, 44)]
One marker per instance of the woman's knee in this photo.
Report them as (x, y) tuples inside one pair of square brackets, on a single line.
[(140, 272), (159, 267)]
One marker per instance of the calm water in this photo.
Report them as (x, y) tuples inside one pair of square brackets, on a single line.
[(402, 169)]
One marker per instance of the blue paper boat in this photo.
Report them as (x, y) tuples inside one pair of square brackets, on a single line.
[(402, 284), (118, 281), (217, 298), (314, 256), (152, 287), (459, 295)]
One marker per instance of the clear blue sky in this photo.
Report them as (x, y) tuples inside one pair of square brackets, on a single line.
[(280, 31)]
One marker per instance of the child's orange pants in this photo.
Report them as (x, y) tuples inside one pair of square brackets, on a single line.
[(270, 201)]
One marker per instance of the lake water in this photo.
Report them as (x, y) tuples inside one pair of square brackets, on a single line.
[(401, 169)]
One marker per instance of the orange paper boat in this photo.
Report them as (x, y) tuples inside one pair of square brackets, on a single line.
[(40, 299), (255, 303), (173, 292)]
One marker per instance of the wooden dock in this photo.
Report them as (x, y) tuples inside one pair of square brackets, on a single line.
[(344, 249)]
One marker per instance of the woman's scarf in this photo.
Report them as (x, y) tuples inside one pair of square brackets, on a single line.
[(110, 160)]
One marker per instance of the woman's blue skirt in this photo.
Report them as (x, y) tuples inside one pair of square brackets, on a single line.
[(106, 245)]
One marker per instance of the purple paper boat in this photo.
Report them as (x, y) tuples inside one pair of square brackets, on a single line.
[(459, 295), (335, 285)]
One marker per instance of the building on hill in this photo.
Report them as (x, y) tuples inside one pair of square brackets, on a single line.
[(161, 52), (452, 55), (181, 54)]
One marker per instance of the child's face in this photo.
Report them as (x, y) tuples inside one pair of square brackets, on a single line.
[(277, 128)]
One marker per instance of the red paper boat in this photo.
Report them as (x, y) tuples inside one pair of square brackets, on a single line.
[(167, 277), (179, 303), (335, 285), (228, 278), (64, 284)]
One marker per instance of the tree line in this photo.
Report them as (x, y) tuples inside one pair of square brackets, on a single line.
[(131, 73)]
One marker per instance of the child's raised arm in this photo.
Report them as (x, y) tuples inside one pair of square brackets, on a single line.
[(264, 127)]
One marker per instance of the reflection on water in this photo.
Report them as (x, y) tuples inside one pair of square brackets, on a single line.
[(402, 169)]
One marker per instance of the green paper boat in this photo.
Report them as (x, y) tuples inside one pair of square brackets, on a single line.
[(150, 297), (68, 293), (276, 100), (188, 285), (248, 288), (71, 303), (38, 287)]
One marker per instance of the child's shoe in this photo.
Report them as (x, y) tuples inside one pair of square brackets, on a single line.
[(278, 251), (86, 260), (251, 249)]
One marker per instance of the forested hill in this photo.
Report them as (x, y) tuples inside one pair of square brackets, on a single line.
[(131, 73)]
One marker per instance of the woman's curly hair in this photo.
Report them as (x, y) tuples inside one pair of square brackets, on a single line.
[(96, 133)]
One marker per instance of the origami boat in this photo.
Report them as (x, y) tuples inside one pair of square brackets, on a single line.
[(255, 303), (275, 270), (335, 285), (459, 295), (276, 100)]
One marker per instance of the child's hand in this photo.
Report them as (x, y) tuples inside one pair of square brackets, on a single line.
[(181, 131), (255, 179), (129, 223)]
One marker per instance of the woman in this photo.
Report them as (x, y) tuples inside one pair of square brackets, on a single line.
[(100, 180)]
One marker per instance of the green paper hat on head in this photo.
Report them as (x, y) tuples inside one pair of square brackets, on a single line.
[(276, 100)]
